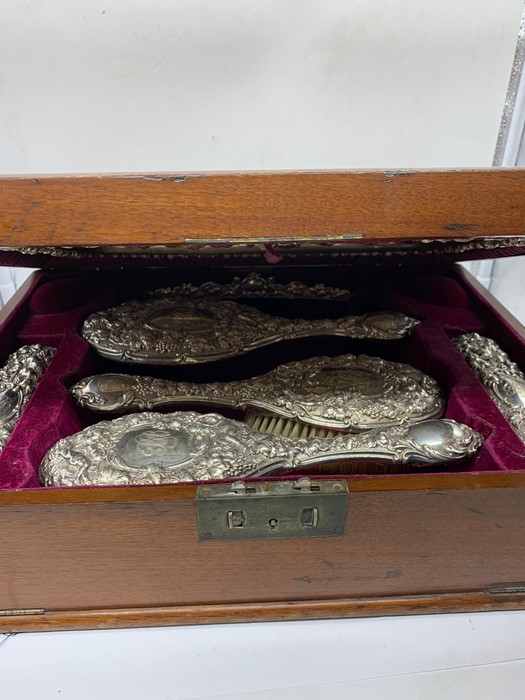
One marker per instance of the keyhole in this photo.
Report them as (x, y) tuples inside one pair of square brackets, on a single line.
[(273, 523)]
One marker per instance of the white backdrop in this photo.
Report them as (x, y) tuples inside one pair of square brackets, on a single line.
[(116, 85)]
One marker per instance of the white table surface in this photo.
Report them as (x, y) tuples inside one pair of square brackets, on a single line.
[(479, 656)]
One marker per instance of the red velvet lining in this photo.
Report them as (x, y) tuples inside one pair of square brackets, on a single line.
[(52, 311)]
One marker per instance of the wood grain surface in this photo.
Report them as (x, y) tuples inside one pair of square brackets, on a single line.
[(142, 554), (164, 616), (180, 208)]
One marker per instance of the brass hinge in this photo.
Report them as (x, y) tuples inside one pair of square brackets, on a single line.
[(510, 588), (22, 611), (271, 510)]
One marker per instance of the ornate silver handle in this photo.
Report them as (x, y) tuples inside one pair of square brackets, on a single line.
[(154, 448), (502, 378), (349, 392), (18, 380), (180, 330)]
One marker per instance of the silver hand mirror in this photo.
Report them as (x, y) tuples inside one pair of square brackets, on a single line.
[(173, 329)]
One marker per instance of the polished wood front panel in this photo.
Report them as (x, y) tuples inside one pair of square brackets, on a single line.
[(431, 539)]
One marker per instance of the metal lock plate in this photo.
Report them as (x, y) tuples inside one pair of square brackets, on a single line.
[(271, 510)]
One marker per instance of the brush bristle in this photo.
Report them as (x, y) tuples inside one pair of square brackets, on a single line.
[(358, 467), (274, 425)]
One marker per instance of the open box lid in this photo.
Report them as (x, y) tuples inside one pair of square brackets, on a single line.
[(153, 219), (349, 85)]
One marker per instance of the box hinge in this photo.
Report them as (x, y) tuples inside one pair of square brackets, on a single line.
[(271, 510), (22, 611), (507, 590)]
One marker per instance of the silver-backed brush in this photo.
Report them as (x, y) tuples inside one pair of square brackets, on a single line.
[(349, 393)]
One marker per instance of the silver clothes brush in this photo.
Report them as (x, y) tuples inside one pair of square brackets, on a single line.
[(19, 378), (156, 448), (174, 329), (502, 378), (309, 398)]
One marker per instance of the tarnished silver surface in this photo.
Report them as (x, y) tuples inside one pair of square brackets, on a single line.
[(255, 286), (155, 448), (173, 329), (502, 378), (253, 251), (18, 380), (349, 392)]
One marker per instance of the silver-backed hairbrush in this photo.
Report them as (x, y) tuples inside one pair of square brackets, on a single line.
[(156, 448), (349, 393)]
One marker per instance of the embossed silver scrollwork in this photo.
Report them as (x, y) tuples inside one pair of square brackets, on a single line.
[(370, 249), (255, 286), (18, 380), (348, 392), (502, 378), (178, 330), (154, 448)]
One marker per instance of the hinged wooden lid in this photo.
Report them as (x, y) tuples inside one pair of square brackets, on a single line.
[(468, 213)]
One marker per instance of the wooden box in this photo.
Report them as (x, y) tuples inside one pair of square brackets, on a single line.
[(98, 557)]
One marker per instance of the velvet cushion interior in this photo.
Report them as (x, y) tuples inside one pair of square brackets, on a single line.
[(52, 312)]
